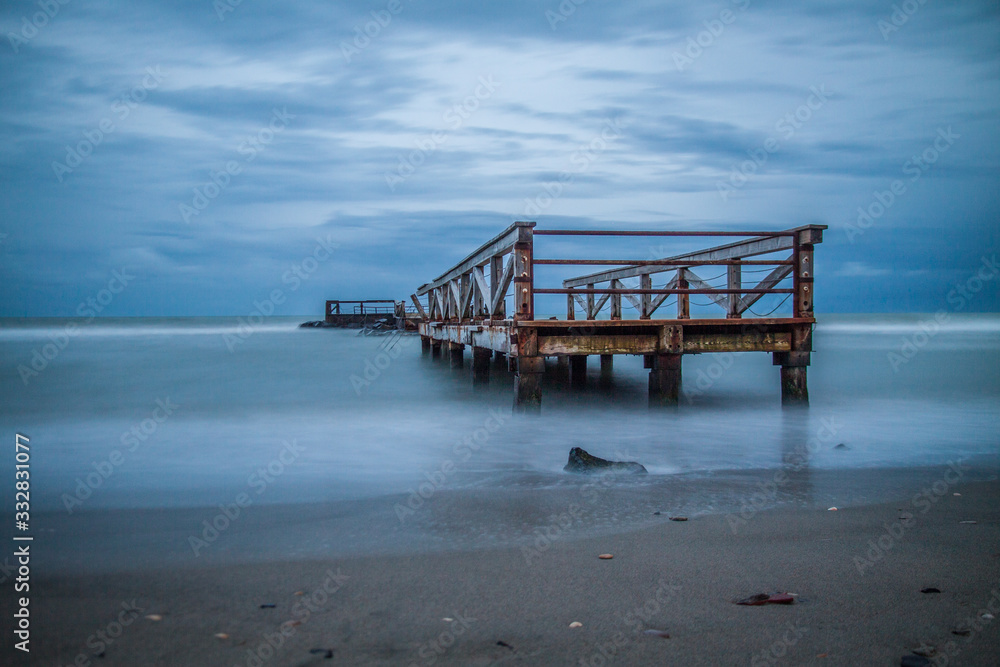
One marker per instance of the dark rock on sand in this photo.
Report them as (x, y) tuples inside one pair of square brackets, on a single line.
[(581, 461), (914, 661), (316, 324)]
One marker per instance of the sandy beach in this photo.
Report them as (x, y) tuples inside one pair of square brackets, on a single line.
[(857, 575)]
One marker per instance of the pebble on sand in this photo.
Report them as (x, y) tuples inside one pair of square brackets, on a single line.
[(832, 509), (966, 521), (662, 634), (327, 653), (930, 589), (576, 624), (221, 635), (678, 518), (154, 617), (606, 556)]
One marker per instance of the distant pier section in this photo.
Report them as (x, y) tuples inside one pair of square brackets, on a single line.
[(372, 313), (467, 306)]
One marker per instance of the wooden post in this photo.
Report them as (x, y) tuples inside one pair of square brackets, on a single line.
[(498, 356), (578, 370), (562, 368), (616, 301), (607, 367), (734, 280), (665, 380), (794, 387), (481, 365), (524, 298), (457, 351), (683, 300), (803, 282), (645, 282), (570, 307), (436, 349), (425, 344), (496, 272), (528, 385), (478, 297), (591, 314)]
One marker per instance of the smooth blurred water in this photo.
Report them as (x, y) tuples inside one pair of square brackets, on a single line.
[(236, 408)]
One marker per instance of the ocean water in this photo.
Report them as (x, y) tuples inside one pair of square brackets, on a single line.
[(174, 413)]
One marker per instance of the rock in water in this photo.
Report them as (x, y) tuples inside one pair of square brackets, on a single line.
[(581, 461)]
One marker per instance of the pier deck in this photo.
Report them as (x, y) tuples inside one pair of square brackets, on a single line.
[(468, 306)]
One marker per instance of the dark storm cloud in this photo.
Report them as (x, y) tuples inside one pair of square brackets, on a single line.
[(390, 144)]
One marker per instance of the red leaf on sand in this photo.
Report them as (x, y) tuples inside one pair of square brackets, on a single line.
[(781, 598), (760, 598)]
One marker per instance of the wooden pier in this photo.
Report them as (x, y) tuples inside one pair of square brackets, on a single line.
[(361, 313), (468, 306)]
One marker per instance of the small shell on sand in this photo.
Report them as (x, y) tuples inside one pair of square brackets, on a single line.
[(832, 509), (154, 617), (576, 624), (221, 635), (606, 556)]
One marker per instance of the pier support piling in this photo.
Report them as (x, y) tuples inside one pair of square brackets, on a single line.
[(607, 366), (561, 371), (528, 385), (794, 388), (435, 349), (425, 344), (578, 370), (481, 365), (665, 380), (457, 352)]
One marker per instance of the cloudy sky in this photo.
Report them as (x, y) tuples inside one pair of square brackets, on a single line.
[(204, 150)]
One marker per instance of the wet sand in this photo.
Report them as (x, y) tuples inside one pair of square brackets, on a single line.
[(857, 574)]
